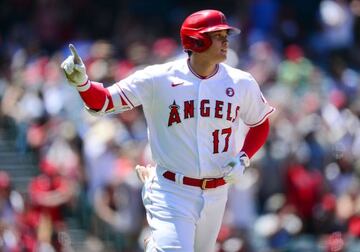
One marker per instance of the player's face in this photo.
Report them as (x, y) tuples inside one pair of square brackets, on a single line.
[(218, 49)]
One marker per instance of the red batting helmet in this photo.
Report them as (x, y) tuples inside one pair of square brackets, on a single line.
[(193, 30)]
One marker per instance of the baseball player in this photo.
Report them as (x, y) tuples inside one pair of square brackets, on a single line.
[(193, 108)]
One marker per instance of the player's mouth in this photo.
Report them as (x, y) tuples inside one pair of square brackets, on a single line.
[(223, 51)]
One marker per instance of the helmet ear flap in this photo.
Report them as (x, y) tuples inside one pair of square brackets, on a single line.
[(199, 42)]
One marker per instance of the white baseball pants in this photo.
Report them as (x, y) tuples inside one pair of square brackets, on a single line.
[(181, 217)]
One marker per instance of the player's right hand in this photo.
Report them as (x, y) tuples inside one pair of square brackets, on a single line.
[(145, 173), (74, 68)]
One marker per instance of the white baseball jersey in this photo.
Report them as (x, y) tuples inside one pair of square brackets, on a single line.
[(193, 122)]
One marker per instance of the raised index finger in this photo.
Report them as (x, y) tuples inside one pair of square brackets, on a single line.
[(77, 59)]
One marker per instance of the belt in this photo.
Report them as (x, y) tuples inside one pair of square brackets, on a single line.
[(204, 184)]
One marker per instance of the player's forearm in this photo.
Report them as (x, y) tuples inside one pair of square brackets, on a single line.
[(94, 95), (98, 100), (256, 138)]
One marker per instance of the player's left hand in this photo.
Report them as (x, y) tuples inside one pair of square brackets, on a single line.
[(145, 173), (235, 168)]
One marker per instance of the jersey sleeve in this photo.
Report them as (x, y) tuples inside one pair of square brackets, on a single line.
[(254, 108), (133, 91)]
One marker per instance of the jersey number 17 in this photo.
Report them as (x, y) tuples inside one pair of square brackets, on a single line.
[(224, 132)]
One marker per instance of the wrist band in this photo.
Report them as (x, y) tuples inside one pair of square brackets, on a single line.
[(244, 159), (84, 87)]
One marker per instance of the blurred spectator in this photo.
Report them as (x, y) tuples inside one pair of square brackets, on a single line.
[(264, 62), (11, 207), (303, 190), (118, 204), (296, 70), (49, 193)]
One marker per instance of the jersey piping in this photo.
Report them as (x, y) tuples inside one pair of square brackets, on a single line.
[(202, 77)]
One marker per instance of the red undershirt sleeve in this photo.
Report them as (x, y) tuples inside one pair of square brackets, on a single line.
[(94, 97), (256, 138)]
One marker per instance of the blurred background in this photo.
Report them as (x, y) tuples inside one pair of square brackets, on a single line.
[(67, 181)]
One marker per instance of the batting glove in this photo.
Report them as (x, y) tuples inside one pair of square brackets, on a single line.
[(235, 168), (74, 68)]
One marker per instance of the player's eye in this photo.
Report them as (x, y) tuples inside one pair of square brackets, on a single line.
[(220, 37)]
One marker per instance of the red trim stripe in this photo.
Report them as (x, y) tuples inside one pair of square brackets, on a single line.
[(262, 119), (202, 77), (125, 96), (123, 102), (81, 85)]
